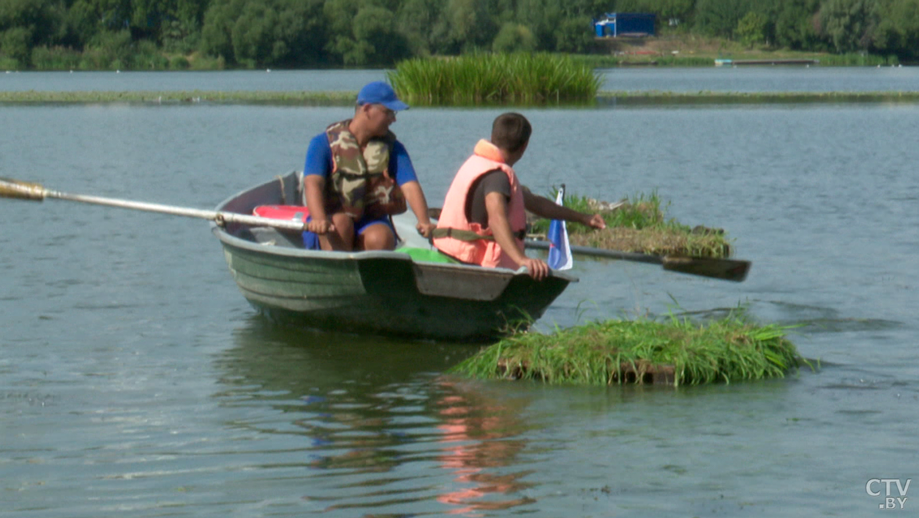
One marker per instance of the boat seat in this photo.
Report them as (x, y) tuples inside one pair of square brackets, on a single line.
[(273, 237)]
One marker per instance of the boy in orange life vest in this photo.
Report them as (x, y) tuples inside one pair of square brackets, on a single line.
[(484, 215), (357, 175)]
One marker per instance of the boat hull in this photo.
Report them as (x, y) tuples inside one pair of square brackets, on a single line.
[(377, 292)]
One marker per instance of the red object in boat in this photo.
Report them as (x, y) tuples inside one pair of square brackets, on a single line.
[(289, 212)]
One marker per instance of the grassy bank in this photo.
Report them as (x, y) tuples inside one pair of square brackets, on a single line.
[(688, 50), (299, 98), (624, 98), (475, 79), (677, 351), (640, 225)]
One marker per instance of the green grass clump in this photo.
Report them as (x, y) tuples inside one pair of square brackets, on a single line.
[(677, 351), (639, 226), (640, 211), (522, 78)]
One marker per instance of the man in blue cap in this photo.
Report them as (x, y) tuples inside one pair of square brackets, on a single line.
[(357, 175)]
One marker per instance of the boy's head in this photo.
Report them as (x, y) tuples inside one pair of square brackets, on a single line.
[(511, 132)]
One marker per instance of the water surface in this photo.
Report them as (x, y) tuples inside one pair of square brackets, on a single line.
[(135, 379)]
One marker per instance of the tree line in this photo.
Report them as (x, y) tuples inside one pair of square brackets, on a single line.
[(366, 33)]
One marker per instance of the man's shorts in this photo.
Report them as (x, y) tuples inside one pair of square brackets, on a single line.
[(311, 240)]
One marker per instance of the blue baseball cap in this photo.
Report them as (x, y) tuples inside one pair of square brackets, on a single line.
[(379, 92)]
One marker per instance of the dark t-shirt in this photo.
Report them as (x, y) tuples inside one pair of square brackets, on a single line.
[(493, 181)]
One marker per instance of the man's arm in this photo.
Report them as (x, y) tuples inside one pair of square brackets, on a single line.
[(546, 208), (416, 200), (405, 176), (319, 220), (496, 206)]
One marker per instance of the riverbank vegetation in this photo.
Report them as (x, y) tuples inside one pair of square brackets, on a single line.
[(675, 351), (342, 98), (216, 34), (639, 225), (516, 78)]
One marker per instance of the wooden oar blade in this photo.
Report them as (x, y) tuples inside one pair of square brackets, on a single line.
[(725, 269), (10, 188)]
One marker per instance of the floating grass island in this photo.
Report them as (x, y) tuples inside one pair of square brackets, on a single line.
[(639, 225), (675, 352)]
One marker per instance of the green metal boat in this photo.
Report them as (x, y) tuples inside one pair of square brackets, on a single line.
[(377, 292)]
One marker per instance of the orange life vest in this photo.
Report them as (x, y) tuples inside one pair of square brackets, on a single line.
[(483, 251)]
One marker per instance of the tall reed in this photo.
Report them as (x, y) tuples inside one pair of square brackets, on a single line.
[(519, 78)]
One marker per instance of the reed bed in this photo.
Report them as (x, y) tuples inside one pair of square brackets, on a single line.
[(519, 78), (639, 225), (677, 351)]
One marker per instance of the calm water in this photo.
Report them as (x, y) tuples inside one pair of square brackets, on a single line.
[(135, 379)]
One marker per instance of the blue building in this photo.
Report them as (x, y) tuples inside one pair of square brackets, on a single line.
[(615, 25)]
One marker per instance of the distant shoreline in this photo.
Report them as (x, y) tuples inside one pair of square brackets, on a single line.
[(308, 98)]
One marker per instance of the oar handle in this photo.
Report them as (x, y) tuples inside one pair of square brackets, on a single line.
[(20, 190)]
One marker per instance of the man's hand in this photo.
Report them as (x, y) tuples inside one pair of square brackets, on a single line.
[(321, 226), (539, 270), (425, 229)]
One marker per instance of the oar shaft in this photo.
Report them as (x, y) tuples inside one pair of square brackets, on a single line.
[(724, 269), (135, 205), (600, 252), (211, 215), (31, 191)]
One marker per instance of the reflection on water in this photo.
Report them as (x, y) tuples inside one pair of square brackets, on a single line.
[(369, 423), (478, 440)]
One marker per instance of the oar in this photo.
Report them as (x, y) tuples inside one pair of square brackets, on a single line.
[(35, 192), (725, 269)]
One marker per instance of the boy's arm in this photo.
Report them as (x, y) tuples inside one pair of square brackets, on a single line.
[(546, 208), (496, 206)]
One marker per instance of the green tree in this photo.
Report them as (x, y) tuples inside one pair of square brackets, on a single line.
[(469, 24), (664, 9), (364, 32), (421, 24), (514, 37), (217, 30), (897, 29), (260, 33), (252, 34), (751, 29), (720, 17), (796, 24), (847, 23), (168, 22), (16, 44)]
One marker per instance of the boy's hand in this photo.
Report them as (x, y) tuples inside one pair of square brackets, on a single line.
[(538, 269), (595, 221), (425, 229)]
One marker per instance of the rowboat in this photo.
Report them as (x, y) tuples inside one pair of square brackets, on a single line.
[(401, 293), (379, 292)]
